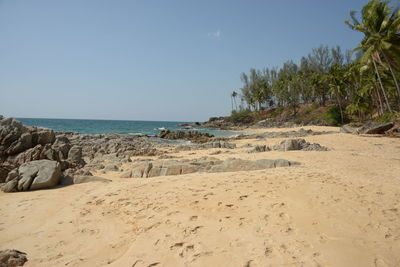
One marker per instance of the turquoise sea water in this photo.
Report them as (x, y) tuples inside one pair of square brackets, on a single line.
[(115, 126)]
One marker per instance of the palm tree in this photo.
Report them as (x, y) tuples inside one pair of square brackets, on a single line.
[(381, 28), (234, 95)]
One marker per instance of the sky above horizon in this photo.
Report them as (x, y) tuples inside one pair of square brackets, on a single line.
[(152, 60)]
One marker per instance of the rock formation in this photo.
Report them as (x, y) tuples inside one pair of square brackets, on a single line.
[(368, 128), (20, 144), (194, 136), (38, 174), (12, 258), (289, 134), (290, 144), (173, 167)]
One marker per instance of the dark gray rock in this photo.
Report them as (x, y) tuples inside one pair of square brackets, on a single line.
[(218, 144), (375, 128), (292, 144), (12, 258), (259, 148), (44, 136), (75, 153), (49, 173), (194, 136)]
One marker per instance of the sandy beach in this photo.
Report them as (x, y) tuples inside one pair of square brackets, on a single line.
[(337, 208)]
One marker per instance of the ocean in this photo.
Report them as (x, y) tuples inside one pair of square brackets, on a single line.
[(84, 126)]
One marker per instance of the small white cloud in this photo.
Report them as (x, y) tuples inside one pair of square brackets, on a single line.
[(216, 34)]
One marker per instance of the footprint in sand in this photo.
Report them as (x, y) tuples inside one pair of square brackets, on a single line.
[(193, 218)]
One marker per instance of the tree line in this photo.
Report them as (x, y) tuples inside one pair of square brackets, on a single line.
[(362, 82)]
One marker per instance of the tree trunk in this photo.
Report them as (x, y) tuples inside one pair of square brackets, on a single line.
[(340, 107), (394, 77), (383, 89), (380, 107)]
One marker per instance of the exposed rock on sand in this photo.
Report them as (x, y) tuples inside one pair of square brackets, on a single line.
[(33, 175), (20, 144), (290, 144), (213, 144), (284, 134), (368, 128), (173, 167), (375, 128), (80, 179), (12, 258)]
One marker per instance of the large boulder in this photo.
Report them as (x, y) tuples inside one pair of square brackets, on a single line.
[(375, 128), (292, 144), (297, 144), (20, 144), (44, 136), (33, 175)]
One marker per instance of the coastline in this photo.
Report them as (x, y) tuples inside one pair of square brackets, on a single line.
[(338, 207)]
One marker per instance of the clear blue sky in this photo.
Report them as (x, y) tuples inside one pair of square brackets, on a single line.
[(151, 60)]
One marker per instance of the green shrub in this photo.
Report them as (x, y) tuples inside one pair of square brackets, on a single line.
[(243, 116), (276, 112), (312, 107), (388, 117), (332, 116)]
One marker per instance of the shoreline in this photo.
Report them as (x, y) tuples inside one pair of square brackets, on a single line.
[(336, 207)]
